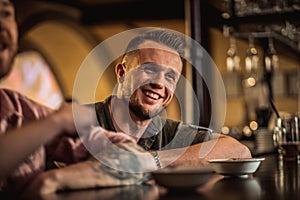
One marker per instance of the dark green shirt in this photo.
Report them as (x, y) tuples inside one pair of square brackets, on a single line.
[(161, 134)]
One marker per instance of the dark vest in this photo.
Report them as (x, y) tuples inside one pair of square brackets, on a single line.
[(161, 133)]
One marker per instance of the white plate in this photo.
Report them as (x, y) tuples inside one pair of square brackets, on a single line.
[(236, 166), (182, 177)]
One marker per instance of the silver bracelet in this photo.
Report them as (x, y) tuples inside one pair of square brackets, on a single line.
[(156, 158)]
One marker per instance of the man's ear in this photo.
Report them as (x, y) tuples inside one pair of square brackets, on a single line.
[(120, 72)]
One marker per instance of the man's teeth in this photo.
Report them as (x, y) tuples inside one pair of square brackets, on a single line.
[(152, 95)]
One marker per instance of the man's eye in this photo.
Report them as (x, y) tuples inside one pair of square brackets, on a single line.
[(149, 69), (6, 13), (170, 77)]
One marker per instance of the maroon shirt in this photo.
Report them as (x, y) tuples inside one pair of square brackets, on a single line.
[(15, 111)]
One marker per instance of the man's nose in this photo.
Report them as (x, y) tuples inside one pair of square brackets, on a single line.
[(158, 79), (156, 85)]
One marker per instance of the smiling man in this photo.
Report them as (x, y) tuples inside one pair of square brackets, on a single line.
[(147, 80), (147, 77)]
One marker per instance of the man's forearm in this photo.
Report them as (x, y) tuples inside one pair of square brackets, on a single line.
[(220, 146), (84, 175)]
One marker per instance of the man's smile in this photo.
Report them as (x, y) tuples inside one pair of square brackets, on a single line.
[(151, 94), (151, 97)]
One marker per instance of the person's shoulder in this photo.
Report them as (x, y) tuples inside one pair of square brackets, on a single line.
[(17, 99), (172, 121), (99, 104), (10, 93), (165, 122), (170, 125), (12, 96)]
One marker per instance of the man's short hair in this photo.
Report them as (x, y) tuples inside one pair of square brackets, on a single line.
[(161, 36)]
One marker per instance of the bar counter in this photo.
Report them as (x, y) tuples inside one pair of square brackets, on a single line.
[(276, 180)]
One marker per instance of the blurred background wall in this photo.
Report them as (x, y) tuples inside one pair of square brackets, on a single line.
[(61, 33)]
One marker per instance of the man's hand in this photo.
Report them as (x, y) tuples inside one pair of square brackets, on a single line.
[(89, 174), (94, 140), (99, 139)]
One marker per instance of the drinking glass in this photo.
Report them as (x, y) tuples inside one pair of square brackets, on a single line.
[(286, 137), (232, 59), (251, 60)]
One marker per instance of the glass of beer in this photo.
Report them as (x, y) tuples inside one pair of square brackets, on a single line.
[(286, 137)]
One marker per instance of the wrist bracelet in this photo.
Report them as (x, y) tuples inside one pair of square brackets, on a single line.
[(156, 158)]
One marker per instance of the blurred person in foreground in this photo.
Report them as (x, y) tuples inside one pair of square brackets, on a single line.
[(31, 133)]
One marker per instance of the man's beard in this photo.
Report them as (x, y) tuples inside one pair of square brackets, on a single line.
[(141, 113)]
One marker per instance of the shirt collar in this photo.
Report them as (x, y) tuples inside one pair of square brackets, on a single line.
[(151, 133)]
